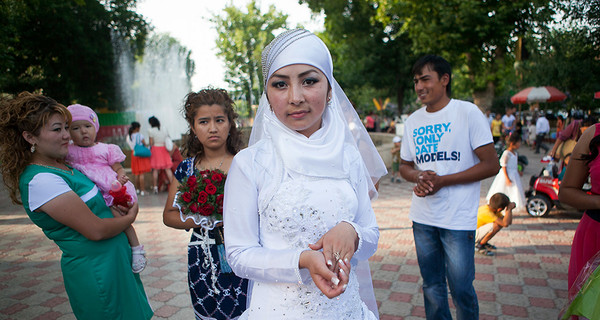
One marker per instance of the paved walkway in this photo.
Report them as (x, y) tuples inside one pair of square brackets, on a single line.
[(527, 279)]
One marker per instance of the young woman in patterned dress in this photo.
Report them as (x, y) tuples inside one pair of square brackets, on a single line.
[(211, 143)]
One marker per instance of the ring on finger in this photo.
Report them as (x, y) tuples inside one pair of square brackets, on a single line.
[(337, 256)]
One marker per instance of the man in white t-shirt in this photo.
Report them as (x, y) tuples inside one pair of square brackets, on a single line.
[(508, 122), (447, 150), (542, 127)]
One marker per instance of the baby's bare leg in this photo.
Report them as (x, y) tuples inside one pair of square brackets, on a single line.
[(132, 237)]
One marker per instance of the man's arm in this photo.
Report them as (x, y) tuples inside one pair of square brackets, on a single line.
[(488, 166), (410, 173)]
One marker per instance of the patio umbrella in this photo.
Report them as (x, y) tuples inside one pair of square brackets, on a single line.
[(538, 94)]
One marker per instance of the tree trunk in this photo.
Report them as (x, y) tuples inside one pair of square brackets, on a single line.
[(484, 99), (249, 100), (400, 96)]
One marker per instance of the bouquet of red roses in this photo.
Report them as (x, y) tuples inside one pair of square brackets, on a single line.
[(200, 197)]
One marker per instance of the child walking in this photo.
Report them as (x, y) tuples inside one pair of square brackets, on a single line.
[(508, 179), (101, 163)]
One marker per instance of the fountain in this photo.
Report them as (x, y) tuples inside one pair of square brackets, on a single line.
[(156, 83)]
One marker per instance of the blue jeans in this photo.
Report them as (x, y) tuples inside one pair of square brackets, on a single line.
[(447, 254)]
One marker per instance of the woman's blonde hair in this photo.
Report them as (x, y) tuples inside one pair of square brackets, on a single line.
[(26, 112)]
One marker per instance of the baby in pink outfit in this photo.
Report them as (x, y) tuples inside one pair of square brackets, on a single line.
[(101, 163)]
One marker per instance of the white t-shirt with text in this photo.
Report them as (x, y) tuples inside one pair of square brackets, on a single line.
[(444, 142)]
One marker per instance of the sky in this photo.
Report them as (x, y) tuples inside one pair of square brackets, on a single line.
[(188, 22)]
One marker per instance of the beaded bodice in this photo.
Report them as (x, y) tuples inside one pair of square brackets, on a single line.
[(304, 209), (301, 211)]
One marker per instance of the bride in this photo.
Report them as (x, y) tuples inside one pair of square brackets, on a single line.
[(298, 216)]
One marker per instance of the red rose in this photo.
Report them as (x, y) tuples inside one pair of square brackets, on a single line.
[(207, 181), (194, 208), (191, 182), (219, 200), (211, 189), (187, 197), (202, 197), (217, 177), (206, 210)]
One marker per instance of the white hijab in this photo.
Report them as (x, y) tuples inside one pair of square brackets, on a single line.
[(321, 154), (341, 123)]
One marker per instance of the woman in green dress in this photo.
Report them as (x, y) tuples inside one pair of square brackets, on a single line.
[(68, 207)]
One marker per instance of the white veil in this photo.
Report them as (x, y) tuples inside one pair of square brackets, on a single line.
[(290, 47), (300, 46)]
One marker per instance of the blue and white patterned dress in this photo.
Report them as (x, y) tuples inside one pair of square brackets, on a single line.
[(230, 300)]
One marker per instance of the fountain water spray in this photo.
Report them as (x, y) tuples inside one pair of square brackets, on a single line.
[(156, 83)]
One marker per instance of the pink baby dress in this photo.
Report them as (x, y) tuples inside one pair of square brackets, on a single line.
[(95, 162)]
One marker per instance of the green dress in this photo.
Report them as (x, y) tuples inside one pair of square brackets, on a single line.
[(97, 274)]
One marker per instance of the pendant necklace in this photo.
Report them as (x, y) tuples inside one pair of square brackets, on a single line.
[(55, 168), (220, 163)]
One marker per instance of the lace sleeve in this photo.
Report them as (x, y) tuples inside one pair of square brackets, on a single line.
[(364, 221), (245, 253)]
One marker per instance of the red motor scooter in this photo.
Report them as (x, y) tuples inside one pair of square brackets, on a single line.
[(542, 195)]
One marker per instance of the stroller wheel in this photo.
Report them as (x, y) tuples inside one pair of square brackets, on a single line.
[(538, 206)]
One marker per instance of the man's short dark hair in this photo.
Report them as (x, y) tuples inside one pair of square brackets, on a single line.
[(437, 64), (499, 201)]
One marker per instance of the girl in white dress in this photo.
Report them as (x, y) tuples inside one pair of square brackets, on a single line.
[(298, 216), (508, 180)]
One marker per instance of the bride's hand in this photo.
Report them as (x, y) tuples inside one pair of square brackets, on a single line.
[(339, 243), (330, 283)]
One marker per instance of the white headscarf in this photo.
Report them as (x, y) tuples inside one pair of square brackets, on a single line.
[(341, 123), (321, 154)]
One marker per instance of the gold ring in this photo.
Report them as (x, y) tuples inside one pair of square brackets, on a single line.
[(336, 255)]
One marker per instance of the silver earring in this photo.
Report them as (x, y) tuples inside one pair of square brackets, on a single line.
[(32, 149)]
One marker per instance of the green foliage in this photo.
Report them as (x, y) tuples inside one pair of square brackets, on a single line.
[(586, 13), (64, 47), (479, 35), (563, 59), (369, 56), (241, 38)]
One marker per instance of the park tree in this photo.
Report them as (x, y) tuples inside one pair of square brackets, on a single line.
[(565, 58), (370, 58), (478, 37), (241, 38), (64, 47), (584, 13)]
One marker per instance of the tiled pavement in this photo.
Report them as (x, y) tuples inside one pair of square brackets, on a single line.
[(527, 278)]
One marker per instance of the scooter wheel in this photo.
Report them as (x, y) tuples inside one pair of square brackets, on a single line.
[(539, 205)]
